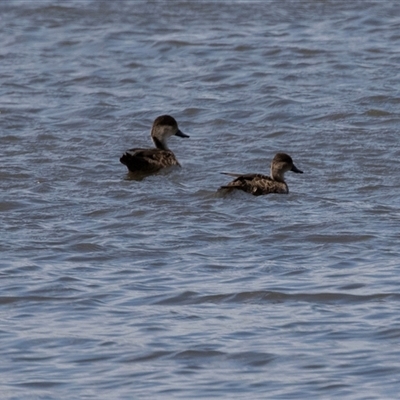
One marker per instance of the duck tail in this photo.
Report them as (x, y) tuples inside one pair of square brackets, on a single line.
[(125, 159), (230, 174)]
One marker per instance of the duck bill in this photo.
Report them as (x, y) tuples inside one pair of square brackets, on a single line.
[(295, 169), (181, 134)]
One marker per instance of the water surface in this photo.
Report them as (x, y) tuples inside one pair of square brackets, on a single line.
[(162, 288)]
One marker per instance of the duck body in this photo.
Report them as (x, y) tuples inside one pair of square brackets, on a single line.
[(147, 161), (258, 184)]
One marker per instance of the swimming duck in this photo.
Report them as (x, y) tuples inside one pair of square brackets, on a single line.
[(258, 184), (143, 161)]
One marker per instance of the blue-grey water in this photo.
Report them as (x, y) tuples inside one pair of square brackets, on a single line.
[(113, 288)]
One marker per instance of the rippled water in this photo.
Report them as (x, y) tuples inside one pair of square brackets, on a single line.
[(162, 288)]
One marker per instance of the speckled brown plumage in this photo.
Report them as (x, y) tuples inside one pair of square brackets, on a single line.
[(148, 160), (258, 184)]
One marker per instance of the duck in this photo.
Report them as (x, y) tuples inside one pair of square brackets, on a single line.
[(148, 161), (258, 184)]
